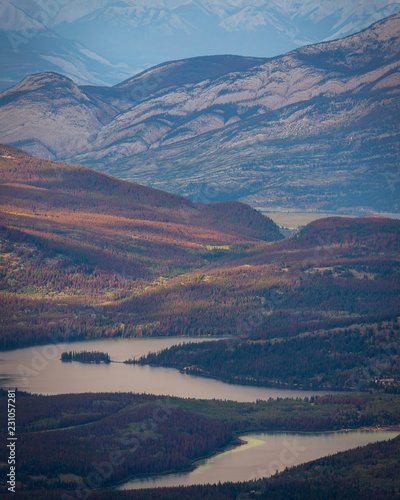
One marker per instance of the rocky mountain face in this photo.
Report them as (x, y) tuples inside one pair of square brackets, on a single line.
[(50, 116), (315, 129), (104, 41)]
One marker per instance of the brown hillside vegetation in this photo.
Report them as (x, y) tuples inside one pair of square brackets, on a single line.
[(85, 255), (72, 237)]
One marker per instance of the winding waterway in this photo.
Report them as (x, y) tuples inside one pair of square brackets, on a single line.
[(39, 370)]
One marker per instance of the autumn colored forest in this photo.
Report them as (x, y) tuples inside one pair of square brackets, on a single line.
[(79, 248), (85, 255)]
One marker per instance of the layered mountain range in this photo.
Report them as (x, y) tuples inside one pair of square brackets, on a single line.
[(104, 41), (314, 129), (29, 45)]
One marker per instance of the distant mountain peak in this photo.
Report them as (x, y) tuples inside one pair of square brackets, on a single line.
[(314, 129), (41, 81), (121, 38)]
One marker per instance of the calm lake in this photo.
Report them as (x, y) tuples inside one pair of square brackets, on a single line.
[(262, 455), (39, 370)]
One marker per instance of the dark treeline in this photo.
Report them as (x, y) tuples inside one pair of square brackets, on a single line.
[(95, 257), (368, 473), (133, 434), (61, 437), (260, 302), (343, 359), (86, 357)]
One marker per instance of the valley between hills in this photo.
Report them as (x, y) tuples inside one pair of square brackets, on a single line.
[(135, 211), (87, 256)]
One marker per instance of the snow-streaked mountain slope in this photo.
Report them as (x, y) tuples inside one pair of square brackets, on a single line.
[(316, 128), (106, 41)]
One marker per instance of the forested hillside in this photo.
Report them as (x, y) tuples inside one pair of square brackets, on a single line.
[(325, 311), (73, 239), (85, 255), (66, 440)]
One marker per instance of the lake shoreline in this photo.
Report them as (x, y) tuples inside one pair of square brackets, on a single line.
[(77, 340), (271, 385), (39, 370), (236, 442)]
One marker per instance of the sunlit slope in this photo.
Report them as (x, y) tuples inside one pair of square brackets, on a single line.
[(318, 310), (87, 255), (335, 273), (75, 238)]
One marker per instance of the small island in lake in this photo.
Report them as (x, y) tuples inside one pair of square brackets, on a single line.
[(86, 357)]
